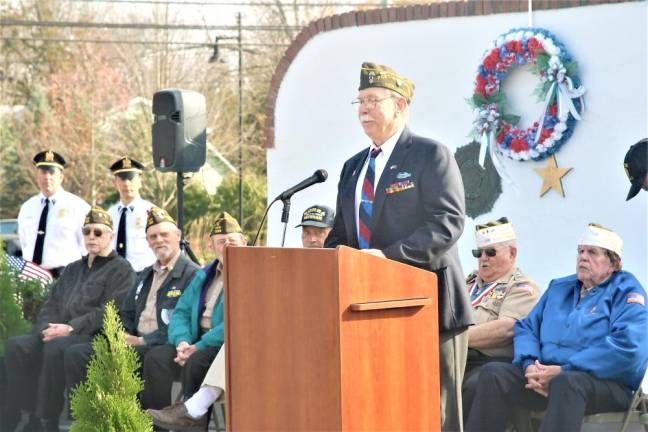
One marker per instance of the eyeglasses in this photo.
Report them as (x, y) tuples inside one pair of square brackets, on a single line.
[(229, 240), (490, 252), (369, 103), (98, 232)]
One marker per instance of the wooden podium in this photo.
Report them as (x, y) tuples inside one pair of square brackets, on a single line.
[(329, 340)]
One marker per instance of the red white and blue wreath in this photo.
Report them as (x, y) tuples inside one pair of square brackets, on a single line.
[(559, 88)]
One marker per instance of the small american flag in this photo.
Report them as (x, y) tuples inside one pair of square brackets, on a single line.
[(27, 270)]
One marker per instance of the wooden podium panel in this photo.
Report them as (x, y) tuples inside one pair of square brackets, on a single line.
[(328, 340)]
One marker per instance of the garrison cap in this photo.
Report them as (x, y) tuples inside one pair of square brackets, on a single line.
[(225, 224), (97, 215), (157, 215), (375, 75), (598, 235), (318, 216), (636, 166), (49, 158), (497, 231), (126, 167)]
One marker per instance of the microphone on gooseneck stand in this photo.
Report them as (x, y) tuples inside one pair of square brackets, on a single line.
[(318, 176)]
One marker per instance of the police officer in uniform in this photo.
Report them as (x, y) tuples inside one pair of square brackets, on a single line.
[(500, 295), (130, 213), (316, 223), (49, 223)]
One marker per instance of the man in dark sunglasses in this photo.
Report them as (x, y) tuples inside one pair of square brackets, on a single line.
[(500, 295), (72, 314)]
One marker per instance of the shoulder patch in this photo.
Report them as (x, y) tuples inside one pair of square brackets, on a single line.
[(525, 287), (635, 298)]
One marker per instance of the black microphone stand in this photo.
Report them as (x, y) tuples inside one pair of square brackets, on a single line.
[(285, 214), (184, 244)]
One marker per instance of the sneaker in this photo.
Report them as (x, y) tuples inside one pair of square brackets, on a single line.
[(176, 417)]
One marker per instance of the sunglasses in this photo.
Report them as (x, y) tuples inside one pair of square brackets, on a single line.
[(490, 252), (98, 232)]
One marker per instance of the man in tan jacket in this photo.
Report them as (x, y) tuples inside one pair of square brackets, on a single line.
[(500, 295)]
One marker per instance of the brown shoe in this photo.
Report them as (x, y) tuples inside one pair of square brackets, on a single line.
[(176, 417)]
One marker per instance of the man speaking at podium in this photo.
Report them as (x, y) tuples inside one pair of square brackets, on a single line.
[(403, 199)]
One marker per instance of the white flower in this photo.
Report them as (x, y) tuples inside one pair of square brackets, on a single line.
[(548, 143), (560, 127), (556, 136)]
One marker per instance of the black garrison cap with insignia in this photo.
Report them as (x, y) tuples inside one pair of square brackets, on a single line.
[(126, 167), (49, 159), (97, 215), (375, 75), (318, 216), (157, 215)]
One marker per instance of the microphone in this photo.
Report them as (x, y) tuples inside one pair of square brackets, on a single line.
[(318, 176)]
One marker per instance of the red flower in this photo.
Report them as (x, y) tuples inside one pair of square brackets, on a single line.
[(500, 136), (519, 145), (534, 46), (553, 110), (514, 46)]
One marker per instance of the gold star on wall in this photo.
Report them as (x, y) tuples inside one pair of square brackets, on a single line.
[(552, 176)]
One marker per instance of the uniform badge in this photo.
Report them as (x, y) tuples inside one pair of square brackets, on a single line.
[(172, 293), (49, 156), (399, 187), (139, 222), (403, 175), (165, 315), (61, 213)]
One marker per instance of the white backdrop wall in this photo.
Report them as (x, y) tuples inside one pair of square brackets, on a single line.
[(316, 127)]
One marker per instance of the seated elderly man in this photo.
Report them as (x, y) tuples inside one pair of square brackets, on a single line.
[(196, 330), (582, 349), (72, 314), (500, 294), (316, 224), (148, 306)]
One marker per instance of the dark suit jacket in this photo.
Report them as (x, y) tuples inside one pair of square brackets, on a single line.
[(167, 297), (418, 216)]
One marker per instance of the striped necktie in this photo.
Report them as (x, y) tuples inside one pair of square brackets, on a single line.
[(366, 202)]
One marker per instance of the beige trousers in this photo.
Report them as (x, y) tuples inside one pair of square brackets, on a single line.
[(216, 374)]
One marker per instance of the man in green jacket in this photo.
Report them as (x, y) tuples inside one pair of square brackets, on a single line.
[(196, 330)]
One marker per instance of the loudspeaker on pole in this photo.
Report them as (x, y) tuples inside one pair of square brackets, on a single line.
[(179, 130)]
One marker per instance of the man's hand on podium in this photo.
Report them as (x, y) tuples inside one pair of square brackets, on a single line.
[(375, 252)]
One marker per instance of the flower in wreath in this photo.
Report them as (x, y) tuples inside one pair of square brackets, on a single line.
[(559, 89)]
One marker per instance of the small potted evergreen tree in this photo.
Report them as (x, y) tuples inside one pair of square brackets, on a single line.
[(107, 400)]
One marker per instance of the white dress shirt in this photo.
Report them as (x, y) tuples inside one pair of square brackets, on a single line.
[(138, 252), (381, 160), (63, 239)]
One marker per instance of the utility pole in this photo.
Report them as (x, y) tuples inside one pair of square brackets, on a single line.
[(240, 116)]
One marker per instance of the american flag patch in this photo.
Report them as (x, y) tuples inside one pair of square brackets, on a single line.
[(525, 287), (635, 298)]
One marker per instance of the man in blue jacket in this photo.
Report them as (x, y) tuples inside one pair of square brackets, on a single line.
[(582, 349), (196, 330)]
